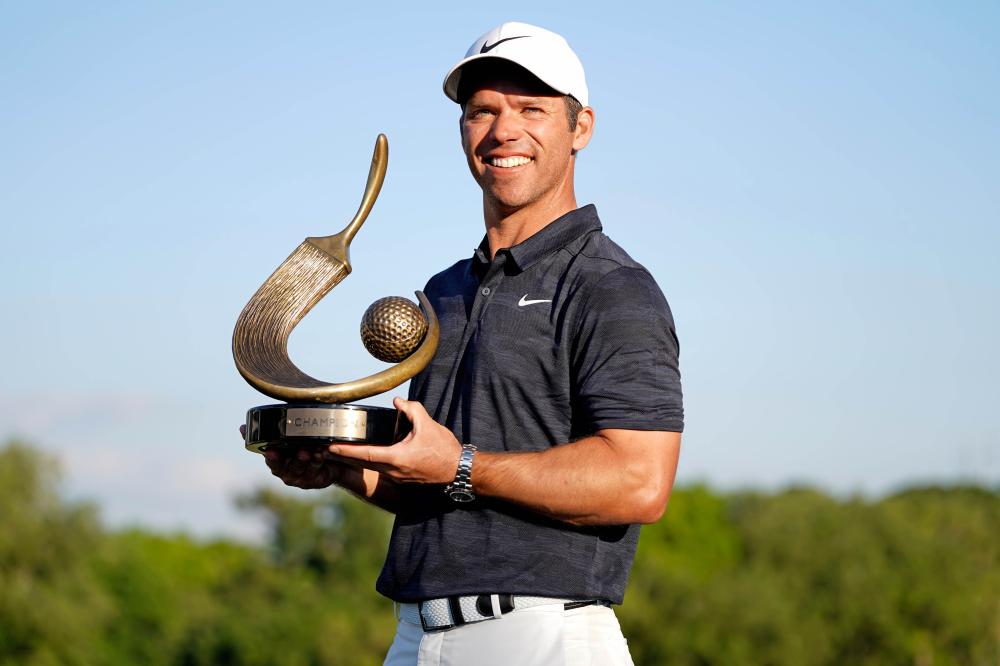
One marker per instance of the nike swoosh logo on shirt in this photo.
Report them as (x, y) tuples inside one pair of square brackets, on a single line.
[(524, 301), (489, 47)]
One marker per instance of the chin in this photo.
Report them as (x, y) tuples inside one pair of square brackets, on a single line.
[(508, 206), (507, 200)]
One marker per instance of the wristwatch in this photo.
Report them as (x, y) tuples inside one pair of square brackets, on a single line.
[(460, 490)]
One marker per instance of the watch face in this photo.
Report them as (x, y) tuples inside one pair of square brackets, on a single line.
[(461, 495)]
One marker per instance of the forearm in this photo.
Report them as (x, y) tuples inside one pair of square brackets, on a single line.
[(615, 477)]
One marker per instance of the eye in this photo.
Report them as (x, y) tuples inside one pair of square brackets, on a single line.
[(478, 113)]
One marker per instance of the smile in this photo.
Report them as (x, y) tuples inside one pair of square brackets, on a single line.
[(508, 162)]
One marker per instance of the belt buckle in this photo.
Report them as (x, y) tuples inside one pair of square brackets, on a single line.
[(483, 604), (423, 622)]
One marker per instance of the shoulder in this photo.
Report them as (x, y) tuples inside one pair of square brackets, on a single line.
[(450, 279), (599, 248), (612, 276)]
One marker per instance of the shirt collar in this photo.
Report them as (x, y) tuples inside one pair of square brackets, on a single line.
[(554, 236)]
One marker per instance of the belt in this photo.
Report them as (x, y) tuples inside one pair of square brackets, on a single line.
[(448, 612)]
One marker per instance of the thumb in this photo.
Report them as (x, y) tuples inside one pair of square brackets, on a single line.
[(412, 409)]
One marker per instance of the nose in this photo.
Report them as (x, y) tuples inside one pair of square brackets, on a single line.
[(506, 127)]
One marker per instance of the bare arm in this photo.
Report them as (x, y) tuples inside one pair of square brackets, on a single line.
[(611, 478), (615, 477)]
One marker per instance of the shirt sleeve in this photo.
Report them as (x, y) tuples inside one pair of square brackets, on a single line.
[(626, 372)]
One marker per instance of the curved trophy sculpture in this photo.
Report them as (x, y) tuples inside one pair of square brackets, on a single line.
[(260, 345)]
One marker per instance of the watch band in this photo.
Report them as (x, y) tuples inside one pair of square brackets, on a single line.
[(460, 490)]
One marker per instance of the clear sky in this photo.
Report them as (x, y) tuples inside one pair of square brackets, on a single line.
[(814, 186)]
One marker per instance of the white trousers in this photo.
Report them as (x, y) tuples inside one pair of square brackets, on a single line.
[(539, 636)]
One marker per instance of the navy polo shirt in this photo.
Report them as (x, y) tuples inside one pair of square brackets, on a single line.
[(558, 337)]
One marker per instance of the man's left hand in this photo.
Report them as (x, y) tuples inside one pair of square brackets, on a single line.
[(429, 454)]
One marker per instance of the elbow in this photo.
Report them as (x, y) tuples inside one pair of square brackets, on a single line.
[(648, 493), (649, 503), (642, 506), (648, 466)]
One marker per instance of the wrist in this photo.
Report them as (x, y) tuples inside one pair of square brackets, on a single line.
[(460, 489)]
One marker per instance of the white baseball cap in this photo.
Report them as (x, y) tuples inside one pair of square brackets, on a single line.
[(542, 52)]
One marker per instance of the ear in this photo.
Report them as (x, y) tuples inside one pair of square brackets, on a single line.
[(584, 128)]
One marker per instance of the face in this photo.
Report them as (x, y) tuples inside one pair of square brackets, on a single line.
[(518, 144)]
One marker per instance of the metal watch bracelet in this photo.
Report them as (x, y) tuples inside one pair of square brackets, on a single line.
[(460, 490)]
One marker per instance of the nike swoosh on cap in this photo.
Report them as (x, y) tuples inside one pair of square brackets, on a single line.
[(489, 47), (524, 301)]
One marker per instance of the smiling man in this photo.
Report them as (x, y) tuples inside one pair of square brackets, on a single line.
[(547, 427)]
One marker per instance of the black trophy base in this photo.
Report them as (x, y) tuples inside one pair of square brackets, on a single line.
[(318, 424)]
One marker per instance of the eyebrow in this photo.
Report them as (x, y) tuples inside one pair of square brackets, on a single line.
[(527, 100), (530, 101), (533, 99)]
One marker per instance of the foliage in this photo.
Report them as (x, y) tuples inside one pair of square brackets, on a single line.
[(801, 578), (51, 606), (796, 577)]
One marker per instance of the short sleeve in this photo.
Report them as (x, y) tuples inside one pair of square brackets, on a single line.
[(625, 363)]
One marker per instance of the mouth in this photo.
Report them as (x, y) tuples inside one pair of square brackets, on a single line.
[(508, 162)]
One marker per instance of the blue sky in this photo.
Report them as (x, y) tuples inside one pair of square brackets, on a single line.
[(814, 186)]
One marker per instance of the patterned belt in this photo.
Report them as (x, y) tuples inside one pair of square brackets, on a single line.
[(448, 612)]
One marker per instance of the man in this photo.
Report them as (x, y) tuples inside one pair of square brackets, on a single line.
[(547, 426)]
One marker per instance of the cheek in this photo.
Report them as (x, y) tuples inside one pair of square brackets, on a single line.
[(470, 156), (469, 143), (470, 159)]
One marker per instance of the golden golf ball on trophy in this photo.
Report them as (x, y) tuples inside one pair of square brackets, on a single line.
[(392, 328)]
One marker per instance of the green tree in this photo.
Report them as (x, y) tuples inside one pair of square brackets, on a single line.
[(790, 578), (802, 578), (51, 607)]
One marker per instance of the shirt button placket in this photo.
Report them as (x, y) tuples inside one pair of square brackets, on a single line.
[(489, 285)]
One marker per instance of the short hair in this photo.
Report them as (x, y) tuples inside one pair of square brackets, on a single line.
[(573, 109), (495, 69)]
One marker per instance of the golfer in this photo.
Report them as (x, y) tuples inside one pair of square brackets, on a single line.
[(547, 426)]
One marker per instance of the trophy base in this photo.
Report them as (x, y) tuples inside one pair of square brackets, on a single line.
[(319, 424)]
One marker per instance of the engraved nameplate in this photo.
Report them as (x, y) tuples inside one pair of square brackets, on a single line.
[(333, 423)]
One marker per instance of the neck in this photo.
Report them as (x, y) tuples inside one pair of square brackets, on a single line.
[(508, 227)]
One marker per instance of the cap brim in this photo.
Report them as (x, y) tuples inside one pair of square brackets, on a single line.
[(454, 77)]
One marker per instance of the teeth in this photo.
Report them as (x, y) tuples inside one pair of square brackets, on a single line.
[(507, 162)]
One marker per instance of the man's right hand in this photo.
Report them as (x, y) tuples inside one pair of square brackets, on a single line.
[(313, 468), (308, 468)]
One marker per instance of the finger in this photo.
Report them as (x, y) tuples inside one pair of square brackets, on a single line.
[(276, 468), (405, 406), (363, 465), (243, 431), (302, 475), (411, 409), (362, 453), (311, 479), (278, 455), (276, 460)]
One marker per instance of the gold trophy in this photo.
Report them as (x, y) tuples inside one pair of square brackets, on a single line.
[(393, 329)]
